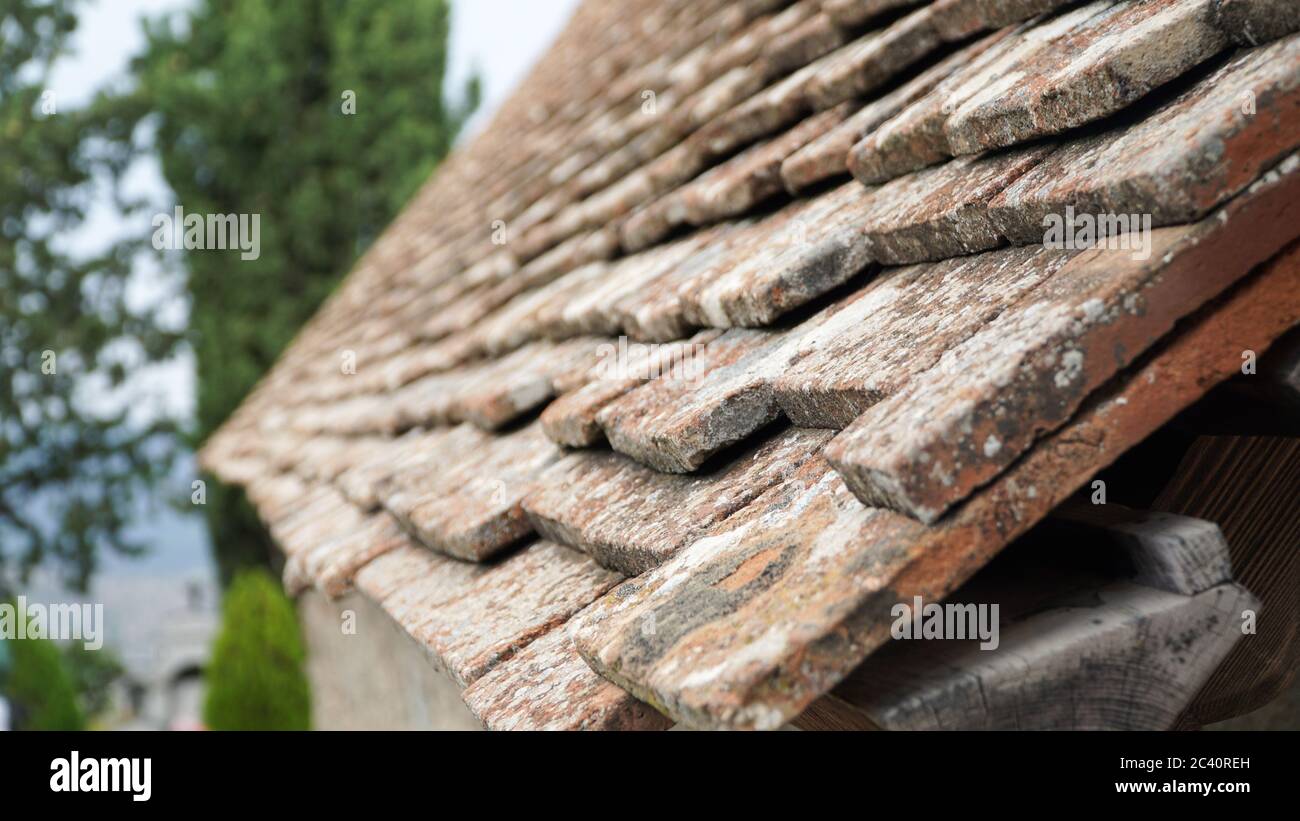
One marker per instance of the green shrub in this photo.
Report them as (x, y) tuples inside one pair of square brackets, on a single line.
[(92, 673), (40, 688), (255, 680)]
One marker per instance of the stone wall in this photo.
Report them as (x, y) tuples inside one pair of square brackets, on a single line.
[(367, 674)]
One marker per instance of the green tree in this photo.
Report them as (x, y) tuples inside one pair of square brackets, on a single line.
[(35, 679), (92, 673), (256, 680), (321, 116), (69, 469)]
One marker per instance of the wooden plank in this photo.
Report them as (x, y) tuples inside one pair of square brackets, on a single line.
[(1248, 486), (1178, 554), (1122, 657)]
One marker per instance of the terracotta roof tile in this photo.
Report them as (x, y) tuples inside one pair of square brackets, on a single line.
[(917, 138), (873, 60), (548, 686), (464, 498), (1255, 22), (675, 425), (959, 424), (630, 518), (1189, 156), (745, 627), (473, 617), (572, 419), (1103, 65), (851, 13), (971, 389), (942, 212), (899, 327), (827, 155)]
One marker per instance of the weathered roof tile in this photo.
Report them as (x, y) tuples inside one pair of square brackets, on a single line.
[(572, 418), (872, 61), (632, 518), (1255, 22), (827, 156), (853, 13), (1189, 156), (473, 617), (636, 186), (899, 326), (956, 426), (753, 176), (943, 212), (464, 498), (1097, 68), (674, 425), (916, 138), (748, 625), (547, 686)]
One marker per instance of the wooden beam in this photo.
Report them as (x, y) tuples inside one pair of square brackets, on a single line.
[(1122, 657), (1078, 646), (1178, 554), (1248, 485)]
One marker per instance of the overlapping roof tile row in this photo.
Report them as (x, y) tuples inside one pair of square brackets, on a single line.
[(757, 305)]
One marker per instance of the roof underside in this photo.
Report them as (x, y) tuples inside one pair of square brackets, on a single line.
[(742, 322)]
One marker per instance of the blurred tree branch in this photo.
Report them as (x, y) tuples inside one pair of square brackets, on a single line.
[(69, 469)]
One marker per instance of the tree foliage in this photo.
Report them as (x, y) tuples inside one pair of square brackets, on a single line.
[(35, 678), (243, 102), (93, 673), (69, 468), (321, 116), (255, 679)]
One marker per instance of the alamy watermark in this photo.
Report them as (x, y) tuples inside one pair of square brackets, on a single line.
[(1116, 232), (637, 360), (919, 620), (82, 622), (125, 775), (197, 232)]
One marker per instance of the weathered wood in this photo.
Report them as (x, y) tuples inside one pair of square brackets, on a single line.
[(1117, 657), (1178, 554), (1248, 486)]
